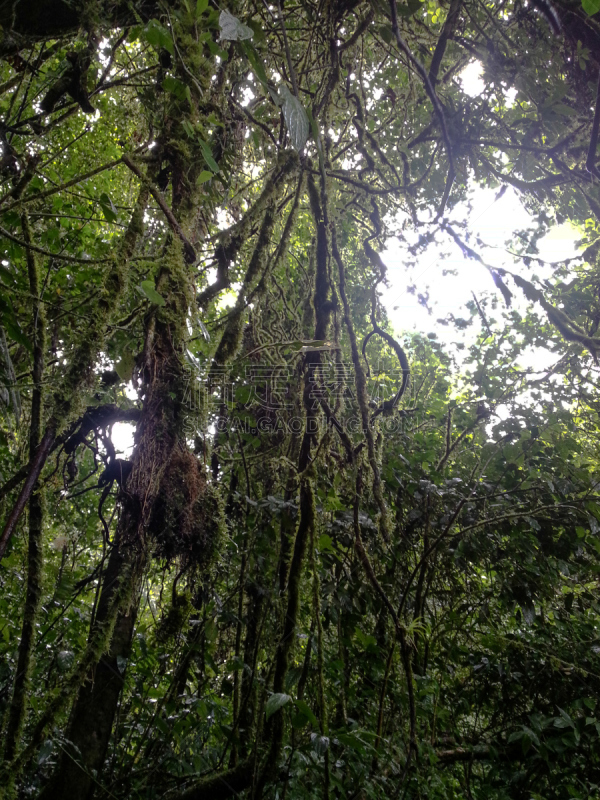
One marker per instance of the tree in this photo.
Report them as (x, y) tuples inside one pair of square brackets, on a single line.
[(307, 579)]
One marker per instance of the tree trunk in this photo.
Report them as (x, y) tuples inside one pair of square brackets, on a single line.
[(92, 716), (93, 713)]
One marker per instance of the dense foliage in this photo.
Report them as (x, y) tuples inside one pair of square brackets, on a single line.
[(314, 575)]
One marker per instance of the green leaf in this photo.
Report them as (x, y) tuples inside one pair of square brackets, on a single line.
[(13, 329), (188, 128), (216, 50), (410, 8), (564, 110), (299, 721), (204, 176), (348, 740), (386, 33), (591, 7), (305, 710), (162, 726), (124, 368), (256, 28), (564, 721), (201, 7), (275, 702), (208, 156), (179, 90), (255, 62), (7, 275), (158, 36), (149, 290), (108, 208)]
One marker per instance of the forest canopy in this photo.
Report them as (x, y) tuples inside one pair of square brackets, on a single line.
[(341, 559)]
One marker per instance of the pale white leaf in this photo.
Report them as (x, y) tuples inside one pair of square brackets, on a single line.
[(232, 29), (320, 744), (296, 119)]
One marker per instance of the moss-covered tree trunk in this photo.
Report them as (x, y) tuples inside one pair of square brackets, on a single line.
[(93, 713)]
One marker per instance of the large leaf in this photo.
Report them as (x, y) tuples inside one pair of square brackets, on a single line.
[(108, 208), (275, 702), (158, 36), (295, 117), (124, 368), (256, 62), (208, 156), (232, 29), (591, 7), (149, 290), (305, 710)]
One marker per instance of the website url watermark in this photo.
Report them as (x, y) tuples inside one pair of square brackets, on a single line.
[(266, 398)]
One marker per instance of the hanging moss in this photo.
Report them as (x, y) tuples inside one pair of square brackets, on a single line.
[(172, 622), (187, 520)]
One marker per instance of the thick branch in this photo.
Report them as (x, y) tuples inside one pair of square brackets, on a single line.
[(447, 32), (188, 250)]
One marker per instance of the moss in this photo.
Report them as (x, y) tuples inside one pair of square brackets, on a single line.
[(308, 309), (171, 623), (187, 520), (231, 339), (35, 559), (231, 240), (322, 299), (173, 281), (68, 400)]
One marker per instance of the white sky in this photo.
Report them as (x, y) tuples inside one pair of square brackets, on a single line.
[(495, 222)]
